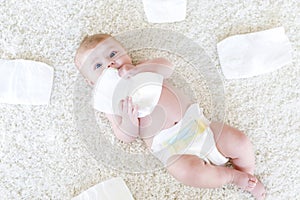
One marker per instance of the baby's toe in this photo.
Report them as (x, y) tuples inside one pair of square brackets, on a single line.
[(251, 183), (259, 191)]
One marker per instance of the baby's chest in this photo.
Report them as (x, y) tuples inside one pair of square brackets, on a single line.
[(169, 110)]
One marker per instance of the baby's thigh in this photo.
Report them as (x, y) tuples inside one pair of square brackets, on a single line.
[(230, 141)]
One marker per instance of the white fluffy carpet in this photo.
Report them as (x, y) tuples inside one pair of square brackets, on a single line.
[(42, 155)]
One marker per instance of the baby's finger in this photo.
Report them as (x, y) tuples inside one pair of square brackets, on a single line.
[(129, 105), (135, 111), (121, 105), (124, 106)]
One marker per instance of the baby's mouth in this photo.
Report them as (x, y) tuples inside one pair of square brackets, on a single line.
[(121, 71), (124, 72), (119, 67)]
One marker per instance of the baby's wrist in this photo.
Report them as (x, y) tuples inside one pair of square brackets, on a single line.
[(130, 129)]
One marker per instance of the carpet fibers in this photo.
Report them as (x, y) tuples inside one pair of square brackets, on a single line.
[(44, 153)]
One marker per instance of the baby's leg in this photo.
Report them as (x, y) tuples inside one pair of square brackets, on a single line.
[(191, 170), (235, 145)]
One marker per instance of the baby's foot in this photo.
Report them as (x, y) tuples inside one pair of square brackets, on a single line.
[(250, 183), (259, 191)]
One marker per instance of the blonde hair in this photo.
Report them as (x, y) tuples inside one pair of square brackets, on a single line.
[(89, 42)]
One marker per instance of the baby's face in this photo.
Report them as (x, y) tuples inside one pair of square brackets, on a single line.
[(108, 53)]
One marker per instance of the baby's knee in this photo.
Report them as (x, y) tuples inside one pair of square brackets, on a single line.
[(234, 135), (243, 139)]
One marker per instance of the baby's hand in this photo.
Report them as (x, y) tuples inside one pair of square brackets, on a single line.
[(129, 114)]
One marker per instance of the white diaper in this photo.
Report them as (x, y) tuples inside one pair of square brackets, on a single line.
[(252, 54), (165, 11), (191, 135), (112, 189), (25, 82), (144, 88)]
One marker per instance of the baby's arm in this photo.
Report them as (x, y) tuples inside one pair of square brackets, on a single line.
[(126, 126), (157, 65)]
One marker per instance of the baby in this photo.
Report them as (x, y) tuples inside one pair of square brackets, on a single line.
[(193, 149)]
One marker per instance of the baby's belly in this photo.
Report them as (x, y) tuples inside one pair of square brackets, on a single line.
[(169, 110)]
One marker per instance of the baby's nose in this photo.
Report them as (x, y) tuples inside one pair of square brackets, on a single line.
[(111, 63)]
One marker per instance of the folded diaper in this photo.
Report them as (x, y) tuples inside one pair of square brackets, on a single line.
[(247, 55), (144, 88), (162, 11), (25, 82), (113, 189)]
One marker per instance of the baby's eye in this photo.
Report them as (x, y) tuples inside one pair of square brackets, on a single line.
[(112, 54), (98, 65)]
